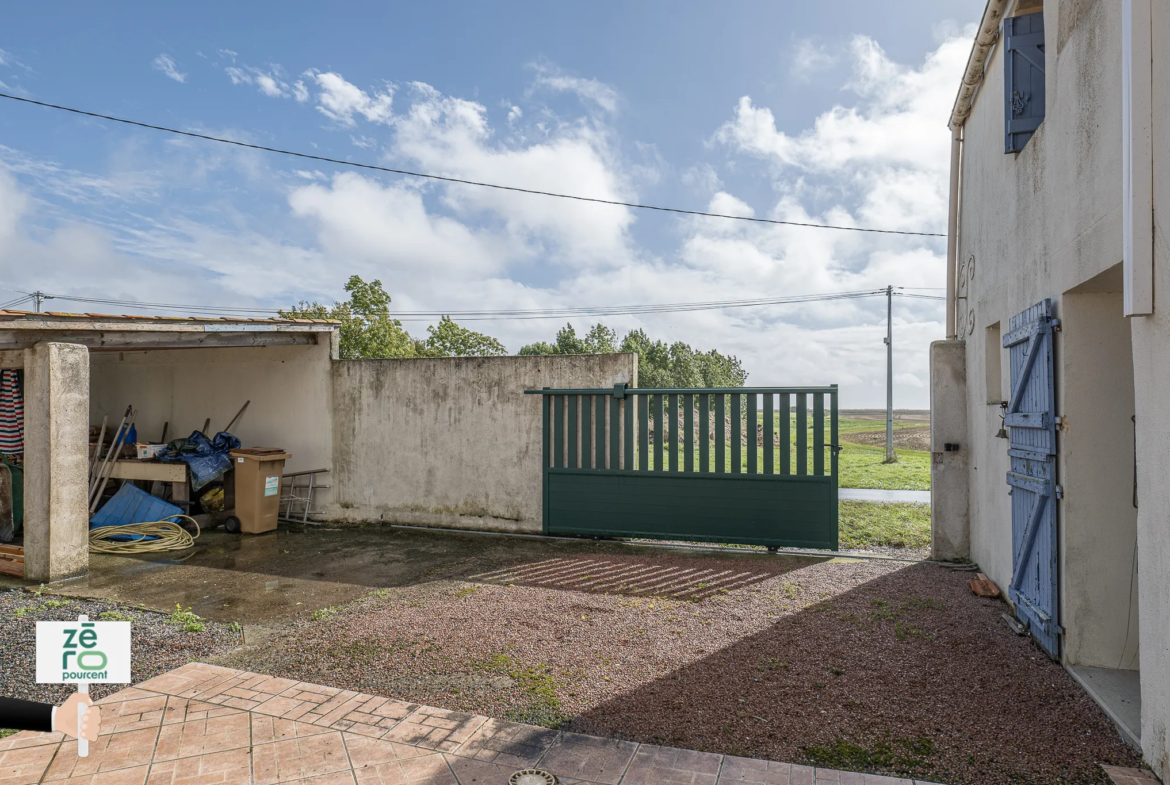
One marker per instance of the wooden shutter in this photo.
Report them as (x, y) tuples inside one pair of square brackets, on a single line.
[(1023, 83)]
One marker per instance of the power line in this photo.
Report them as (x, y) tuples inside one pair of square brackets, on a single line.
[(338, 161), (503, 314)]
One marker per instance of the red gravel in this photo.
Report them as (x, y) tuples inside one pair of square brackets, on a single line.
[(874, 666)]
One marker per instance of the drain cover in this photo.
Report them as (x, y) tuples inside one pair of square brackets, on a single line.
[(532, 777)]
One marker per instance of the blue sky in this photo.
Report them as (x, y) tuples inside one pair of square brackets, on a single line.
[(823, 112)]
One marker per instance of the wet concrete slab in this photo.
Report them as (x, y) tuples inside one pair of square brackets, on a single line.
[(271, 578)]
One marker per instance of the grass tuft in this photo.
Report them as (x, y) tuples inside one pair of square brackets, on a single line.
[(189, 621), (877, 524)]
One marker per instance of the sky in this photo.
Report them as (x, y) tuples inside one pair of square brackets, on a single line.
[(814, 112)]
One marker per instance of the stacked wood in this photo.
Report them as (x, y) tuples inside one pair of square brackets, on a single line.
[(12, 560)]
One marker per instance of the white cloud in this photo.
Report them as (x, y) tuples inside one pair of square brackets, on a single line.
[(340, 100), (809, 57), (549, 77), (908, 379), (269, 82), (167, 65), (514, 115), (300, 92)]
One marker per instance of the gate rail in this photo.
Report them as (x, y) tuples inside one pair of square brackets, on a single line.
[(603, 475)]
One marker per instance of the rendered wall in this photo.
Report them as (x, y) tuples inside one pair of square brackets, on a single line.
[(288, 387), (451, 442)]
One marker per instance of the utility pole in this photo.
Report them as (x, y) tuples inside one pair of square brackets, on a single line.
[(38, 296), (891, 457)]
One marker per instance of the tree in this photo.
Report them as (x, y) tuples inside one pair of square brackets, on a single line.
[(369, 332), (659, 364), (448, 339)]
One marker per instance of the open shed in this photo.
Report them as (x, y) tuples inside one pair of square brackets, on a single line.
[(175, 371)]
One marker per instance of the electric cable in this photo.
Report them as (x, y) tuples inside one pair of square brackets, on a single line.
[(443, 178)]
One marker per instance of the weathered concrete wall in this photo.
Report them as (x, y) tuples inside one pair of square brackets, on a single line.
[(56, 410), (288, 386), (450, 441), (950, 526), (1151, 347), (1096, 467)]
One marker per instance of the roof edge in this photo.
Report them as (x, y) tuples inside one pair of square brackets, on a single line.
[(985, 38)]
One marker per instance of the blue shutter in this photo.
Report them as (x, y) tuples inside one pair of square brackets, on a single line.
[(1023, 79), (1031, 415)]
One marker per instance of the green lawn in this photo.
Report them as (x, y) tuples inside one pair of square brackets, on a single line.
[(873, 524)]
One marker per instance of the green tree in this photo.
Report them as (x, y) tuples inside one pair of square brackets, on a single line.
[(369, 332), (659, 364), (448, 339)]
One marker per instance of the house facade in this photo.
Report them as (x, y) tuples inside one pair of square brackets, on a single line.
[(1051, 433)]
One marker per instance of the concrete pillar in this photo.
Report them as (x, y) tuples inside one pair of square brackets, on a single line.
[(56, 436), (950, 523)]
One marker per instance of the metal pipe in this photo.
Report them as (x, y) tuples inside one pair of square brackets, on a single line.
[(102, 470), (890, 457), (953, 232), (118, 443), (98, 450)]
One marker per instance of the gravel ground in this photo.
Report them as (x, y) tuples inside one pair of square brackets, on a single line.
[(870, 665), (156, 645)]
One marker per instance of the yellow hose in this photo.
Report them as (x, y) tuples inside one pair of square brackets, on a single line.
[(170, 536)]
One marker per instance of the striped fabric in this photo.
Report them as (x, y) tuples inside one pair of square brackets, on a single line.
[(11, 413)]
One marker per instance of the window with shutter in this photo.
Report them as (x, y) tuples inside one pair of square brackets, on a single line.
[(1023, 83)]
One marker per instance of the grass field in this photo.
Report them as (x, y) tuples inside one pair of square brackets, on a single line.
[(871, 524)]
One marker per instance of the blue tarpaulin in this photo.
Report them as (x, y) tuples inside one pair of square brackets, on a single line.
[(133, 505), (208, 459)]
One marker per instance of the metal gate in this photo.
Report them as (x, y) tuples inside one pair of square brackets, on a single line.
[(1031, 416), (707, 464)]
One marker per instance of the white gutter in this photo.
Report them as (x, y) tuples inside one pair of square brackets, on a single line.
[(985, 40)]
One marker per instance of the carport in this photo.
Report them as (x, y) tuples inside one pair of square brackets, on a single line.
[(179, 371)]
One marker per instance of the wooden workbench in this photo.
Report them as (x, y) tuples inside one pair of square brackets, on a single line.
[(154, 471)]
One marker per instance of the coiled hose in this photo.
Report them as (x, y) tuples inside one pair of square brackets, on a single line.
[(168, 536)]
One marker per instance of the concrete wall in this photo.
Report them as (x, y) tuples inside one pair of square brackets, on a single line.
[(950, 526), (288, 386), (450, 441), (1047, 222), (1099, 522), (56, 461)]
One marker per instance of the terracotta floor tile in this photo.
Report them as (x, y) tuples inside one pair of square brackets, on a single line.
[(203, 737), (130, 693), (25, 764), (588, 758), (431, 769), (299, 758), (394, 710), (137, 712), (756, 772), (508, 743), (274, 685), (29, 738), (233, 767), (669, 766), (270, 729), (365, 751), (279, 706), (435, 729), (1123, 776), (187, 710), (134, 776), (478, 772), (337, 778), (116, 751)]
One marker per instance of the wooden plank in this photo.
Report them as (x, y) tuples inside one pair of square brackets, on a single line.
[(12, 358), (752, 429), (672, 416), (801, 433), (689, 433), (559, 431), (12, 550), (13, 568), (122, 341), (720, 434), (571, 427), (704, 433), (785, 434), (769, 434), (149, 470), (643, 432), (736, 434), (818, 434), (586, 432)]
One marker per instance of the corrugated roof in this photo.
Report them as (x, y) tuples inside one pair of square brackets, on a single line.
[(11, 315)]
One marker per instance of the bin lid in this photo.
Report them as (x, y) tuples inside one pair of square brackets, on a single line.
[(261, 453)]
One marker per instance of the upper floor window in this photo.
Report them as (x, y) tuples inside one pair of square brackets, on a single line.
[(1023, 78)]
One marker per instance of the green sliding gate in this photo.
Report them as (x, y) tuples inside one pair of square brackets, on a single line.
[(741, 465)]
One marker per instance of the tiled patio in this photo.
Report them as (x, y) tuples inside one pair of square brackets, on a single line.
[(206, 724)]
